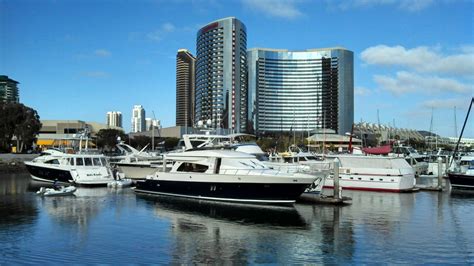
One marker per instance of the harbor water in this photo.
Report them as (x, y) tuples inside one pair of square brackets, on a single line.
[(103, 225)]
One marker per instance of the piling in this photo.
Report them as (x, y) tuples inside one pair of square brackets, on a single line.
[(336, 198), (337, 189), (440, 173)]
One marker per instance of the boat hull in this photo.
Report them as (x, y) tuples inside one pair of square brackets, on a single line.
[(461, 181), (403, 183), (47, 174), (263, 193)]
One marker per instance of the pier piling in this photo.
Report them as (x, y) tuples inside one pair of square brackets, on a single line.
[(440, 173), (337, 188)]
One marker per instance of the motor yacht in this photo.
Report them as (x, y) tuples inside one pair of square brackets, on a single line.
[(81, 169), (224, 175), (136, 164)]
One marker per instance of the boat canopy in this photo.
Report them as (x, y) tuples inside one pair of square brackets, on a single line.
[(380, 150)]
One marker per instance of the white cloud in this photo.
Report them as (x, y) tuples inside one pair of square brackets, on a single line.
[(102, 53), (406, 82), (275, 8), (422, 59), (444, 103), (406, 5), (161, 32), (361, 91)]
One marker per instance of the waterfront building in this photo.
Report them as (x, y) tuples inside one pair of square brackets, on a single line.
[(150, 123), (9, 90), (185, 88), (138, 118), (221, 74), (54, 133), (114, 119), (300, 90)]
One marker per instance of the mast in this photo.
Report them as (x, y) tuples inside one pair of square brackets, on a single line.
[(462, 130), (455, 123), (431, 128)]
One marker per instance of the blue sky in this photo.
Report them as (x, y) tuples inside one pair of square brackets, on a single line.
[(78, 59)]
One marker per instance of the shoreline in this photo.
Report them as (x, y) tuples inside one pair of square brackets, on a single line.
[(14, 163)]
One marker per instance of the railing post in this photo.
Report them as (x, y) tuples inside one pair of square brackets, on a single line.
[(337, 190)]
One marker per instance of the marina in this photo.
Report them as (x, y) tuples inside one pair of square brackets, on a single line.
[(104, 225)]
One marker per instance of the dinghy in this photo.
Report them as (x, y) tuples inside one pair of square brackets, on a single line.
[(62, 191)]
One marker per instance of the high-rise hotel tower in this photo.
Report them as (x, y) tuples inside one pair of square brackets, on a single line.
[(114, 119), (221, 74), (300, 90), (138, 119), (185, 88)]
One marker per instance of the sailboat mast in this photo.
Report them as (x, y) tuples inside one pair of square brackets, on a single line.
[(462, 130)]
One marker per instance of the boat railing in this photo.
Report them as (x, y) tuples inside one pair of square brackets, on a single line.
[(279, 170)]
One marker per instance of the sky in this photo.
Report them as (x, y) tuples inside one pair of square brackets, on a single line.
[(78, 59)]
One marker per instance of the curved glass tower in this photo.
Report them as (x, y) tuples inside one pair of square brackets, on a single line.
[(300, 90), (221, 74)]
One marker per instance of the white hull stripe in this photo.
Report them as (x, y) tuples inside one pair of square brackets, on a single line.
[(212, 198)]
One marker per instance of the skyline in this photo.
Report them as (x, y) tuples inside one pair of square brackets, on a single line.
[(81, 59)]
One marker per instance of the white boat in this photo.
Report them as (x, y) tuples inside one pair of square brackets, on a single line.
[(81, 169), (137, 164), (120, 183), (62, 191), (373, 173), (225, 175), (417, 161)]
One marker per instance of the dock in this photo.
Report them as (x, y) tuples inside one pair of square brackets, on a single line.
[(323, 199)]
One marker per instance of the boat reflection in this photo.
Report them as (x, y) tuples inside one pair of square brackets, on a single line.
[(172, 207), (205, 231)]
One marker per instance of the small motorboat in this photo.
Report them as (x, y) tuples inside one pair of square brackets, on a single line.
[(62, 191), (120, 183)]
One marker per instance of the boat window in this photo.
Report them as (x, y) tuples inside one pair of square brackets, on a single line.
[(54, 161), (70, 161), (44, 153), (262, 157), (79, 161), (192, 167), (87, 161), (288, 160), (96, 161), (302, 159), (104, 162)]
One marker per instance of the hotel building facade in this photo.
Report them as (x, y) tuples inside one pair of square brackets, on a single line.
[(9, 90), (300, 90), (138, 119), (221, 75), (185, 88), (114, 119)]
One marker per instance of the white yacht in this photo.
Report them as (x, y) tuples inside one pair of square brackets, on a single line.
[(225, 175), (373, 173), (81, 169), (137, 164), (416, 160)]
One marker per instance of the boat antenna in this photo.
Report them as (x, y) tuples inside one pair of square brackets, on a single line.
[(462, 130)]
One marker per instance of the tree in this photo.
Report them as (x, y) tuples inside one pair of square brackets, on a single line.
[(106, 139), (19, 121)]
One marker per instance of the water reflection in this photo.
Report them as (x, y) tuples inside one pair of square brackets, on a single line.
[(213, 232)]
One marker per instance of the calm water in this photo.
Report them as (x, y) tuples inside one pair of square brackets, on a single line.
[(101, 225)]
